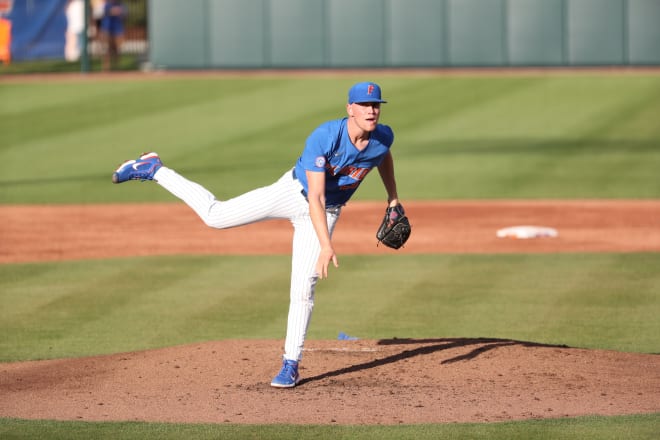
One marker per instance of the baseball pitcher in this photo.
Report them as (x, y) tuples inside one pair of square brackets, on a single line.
[(336, 158)]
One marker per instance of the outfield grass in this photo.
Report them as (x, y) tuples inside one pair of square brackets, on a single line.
[(479, 137), (456, 137)]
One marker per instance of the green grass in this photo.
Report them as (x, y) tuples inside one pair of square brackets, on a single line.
[(637, 427), (549, 136), (473, 137), (51, 310), (126, 63)]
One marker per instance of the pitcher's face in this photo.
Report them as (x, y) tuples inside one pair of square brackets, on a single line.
[(364, 114)]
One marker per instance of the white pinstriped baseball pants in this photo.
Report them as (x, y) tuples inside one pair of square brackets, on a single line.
[(281, 200)]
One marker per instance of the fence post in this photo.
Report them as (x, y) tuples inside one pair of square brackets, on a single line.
[(84, 60)]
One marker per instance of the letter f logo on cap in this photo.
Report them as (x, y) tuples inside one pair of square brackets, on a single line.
[(364, 92)]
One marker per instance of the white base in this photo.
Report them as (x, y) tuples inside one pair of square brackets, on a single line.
[(525, 232)]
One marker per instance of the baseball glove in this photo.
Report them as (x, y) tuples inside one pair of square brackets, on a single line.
[(395, 228)]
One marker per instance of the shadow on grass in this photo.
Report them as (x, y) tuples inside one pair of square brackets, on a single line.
[(481, 346)]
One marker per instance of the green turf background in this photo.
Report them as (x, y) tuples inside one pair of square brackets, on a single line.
[(552, 136), (457, 137)]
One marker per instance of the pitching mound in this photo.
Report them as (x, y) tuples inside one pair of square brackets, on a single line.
[(344, 382)]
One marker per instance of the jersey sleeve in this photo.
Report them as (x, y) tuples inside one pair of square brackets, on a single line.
[(318, 147)]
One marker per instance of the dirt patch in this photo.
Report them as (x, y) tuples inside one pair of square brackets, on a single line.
[(65, 232), (344, 382), (155, 75)]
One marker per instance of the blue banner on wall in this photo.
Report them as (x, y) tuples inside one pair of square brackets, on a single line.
[(38, 29)]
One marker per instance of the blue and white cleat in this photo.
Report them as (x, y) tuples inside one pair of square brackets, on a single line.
[(143, 168), (288, 376)]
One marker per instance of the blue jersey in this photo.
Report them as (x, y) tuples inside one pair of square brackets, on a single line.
[(329, 149)]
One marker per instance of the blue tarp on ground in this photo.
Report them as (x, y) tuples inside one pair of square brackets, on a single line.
[(38, 29)]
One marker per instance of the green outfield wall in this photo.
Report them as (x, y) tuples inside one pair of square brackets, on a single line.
[(402, 33)]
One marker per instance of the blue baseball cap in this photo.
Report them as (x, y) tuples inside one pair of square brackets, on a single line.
[(364, 92)]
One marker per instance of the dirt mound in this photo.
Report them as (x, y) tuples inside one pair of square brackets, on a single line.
[(344, 382)]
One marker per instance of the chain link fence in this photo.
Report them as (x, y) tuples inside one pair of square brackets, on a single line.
[(49, 36), (136, 37)]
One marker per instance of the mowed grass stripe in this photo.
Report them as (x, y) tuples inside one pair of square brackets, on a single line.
[(583, 300), (474, 137), (79, 308), (638, 427), (607, 301)]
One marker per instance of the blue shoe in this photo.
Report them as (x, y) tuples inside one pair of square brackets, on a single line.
[(288, 376), (143, 168)]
